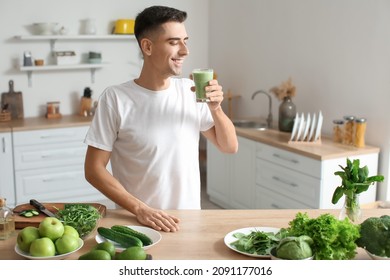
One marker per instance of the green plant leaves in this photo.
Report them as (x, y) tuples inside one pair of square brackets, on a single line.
[(354, 180)]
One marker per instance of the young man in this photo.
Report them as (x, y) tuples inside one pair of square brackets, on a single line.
[(149, 128)]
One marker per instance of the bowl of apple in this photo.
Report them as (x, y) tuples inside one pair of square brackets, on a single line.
[(50, 240)]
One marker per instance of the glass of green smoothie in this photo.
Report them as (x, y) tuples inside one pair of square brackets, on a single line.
[(201, 78)]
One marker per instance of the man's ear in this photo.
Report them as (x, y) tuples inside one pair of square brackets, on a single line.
[(146, 46)]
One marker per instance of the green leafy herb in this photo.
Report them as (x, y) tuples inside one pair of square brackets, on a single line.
[(355, 180), (83, 217), (333, 239), (257, 242)]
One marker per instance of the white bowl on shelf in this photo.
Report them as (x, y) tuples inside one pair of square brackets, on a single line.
[(45, 28)]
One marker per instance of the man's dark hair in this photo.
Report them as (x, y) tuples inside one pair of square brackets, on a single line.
[(153, 17)]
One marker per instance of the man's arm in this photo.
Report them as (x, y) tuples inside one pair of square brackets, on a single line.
[(223, 133), (98, 176)]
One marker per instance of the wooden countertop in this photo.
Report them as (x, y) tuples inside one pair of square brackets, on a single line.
[(44, 123), (202, 232), (327, 149)]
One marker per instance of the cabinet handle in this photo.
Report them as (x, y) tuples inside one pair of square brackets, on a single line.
[(286, 158), (3, 144), (58, 178), (56, 136), (59, 155), (285, 181), (275, 206)]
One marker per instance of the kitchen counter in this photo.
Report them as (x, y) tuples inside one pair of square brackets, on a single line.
[(44, 123), (202, 232), (324, 150)]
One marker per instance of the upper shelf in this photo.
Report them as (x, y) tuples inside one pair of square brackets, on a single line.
[(73, 37)]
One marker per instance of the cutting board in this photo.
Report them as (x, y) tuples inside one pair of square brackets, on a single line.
[(14, 101), (22, 222)]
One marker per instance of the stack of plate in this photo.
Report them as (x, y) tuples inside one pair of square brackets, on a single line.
[(307, 129)]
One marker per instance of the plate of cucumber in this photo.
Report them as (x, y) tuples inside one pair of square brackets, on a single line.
[(124, 236)]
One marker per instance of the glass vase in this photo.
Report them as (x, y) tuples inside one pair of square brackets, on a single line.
[(351, 209), (287, 112)]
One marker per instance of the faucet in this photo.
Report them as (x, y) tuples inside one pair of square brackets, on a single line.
[(269, 118)]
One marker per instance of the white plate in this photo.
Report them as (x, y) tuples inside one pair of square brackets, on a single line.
[(153, 234), (56, 257), (301, 125), (229, 238), (307, 125), (312, 127), (295, 127), (319, 126)]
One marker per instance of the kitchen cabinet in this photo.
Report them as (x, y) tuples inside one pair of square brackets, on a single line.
[(49, 166), (264, 176), (7, 189), (79, 38), (231, 177)]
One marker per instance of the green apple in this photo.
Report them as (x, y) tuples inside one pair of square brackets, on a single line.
[(42, 247), (26, 236), (71, 231), (66, 243), (51, 227)]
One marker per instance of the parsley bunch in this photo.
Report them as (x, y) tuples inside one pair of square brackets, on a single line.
[(333, 239)]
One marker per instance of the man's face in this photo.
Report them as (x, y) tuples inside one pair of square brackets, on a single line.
[(169, 49)]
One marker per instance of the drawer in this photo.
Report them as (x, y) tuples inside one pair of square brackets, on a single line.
[(286, 182), (58, 184), (48, 136), (49, 155), (290, 160), (266, 199)]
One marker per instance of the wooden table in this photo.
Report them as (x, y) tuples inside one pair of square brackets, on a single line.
[(202, 232)]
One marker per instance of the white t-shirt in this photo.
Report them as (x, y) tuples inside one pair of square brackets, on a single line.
[(153, 137)]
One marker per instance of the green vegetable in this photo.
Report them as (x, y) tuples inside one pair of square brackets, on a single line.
[(375, 235), (29, 213), (129, 231), (257, 242), (333, 239), (355, 180), (295, 248), (83, 217), (124, 240)]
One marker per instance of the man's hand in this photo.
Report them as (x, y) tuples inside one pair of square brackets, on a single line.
[(157, 219), (214, 93)]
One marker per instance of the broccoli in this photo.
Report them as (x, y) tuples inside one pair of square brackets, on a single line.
[(375, 235)]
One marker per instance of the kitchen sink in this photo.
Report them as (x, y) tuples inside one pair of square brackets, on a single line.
[(257, 125)]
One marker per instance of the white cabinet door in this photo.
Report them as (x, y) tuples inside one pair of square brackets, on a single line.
[(243, 175), (7, 187), (218, 176)]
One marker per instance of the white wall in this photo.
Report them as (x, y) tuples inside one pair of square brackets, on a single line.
[(336, 52), (16, 18)]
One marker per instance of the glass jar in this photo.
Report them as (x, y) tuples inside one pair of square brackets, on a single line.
[(7, 220), (360, 131), (338, 131), (349, 125)]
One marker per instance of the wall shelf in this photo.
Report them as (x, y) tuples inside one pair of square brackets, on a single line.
[(54, 38), (91, 67)]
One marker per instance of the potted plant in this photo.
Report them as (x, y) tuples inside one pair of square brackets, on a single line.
[(355, 180)]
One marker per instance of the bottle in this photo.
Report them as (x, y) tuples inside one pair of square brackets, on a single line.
[(7, 220), (349, 126), (360, 131), (338, 131)]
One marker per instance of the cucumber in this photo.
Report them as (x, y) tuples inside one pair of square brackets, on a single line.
[(29, 213), (124, 240), (129, 231)]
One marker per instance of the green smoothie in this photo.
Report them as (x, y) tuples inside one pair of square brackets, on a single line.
[(201, 78)]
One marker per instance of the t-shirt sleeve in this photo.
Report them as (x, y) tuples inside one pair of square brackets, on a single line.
[(104, 126)]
